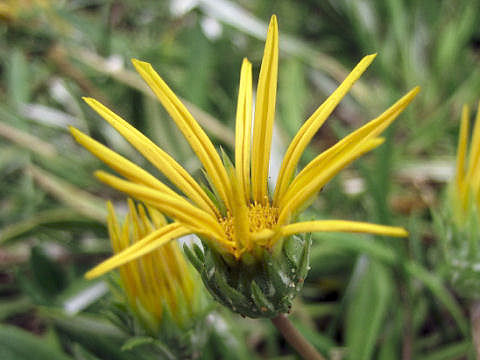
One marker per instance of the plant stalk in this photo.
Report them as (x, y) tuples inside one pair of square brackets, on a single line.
[(475, 322), (295, 339)]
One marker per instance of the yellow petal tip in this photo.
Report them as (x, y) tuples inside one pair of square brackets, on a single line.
[(139, 64), (273, 26), (100, 174), (401, 232), (90, 275), (95, 272), (73, 130), (368, 59)]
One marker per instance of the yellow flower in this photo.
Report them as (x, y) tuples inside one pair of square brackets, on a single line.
[(458, 225), (12, 9), (465, 192), (253, 219), (158, 281)]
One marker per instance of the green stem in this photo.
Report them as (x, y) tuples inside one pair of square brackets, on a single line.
[(295, 339), (475, 322)]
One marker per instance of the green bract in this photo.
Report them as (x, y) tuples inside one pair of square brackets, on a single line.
[(258, 288), (461, 245)]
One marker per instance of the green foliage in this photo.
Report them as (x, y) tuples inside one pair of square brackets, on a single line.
[(370, 296), (16, 344)]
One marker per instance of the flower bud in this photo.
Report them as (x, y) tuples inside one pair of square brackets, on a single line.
[(459, 228), (159, 294)]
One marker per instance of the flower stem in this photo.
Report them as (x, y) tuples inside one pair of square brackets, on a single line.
[(295, 339), (475, 320)]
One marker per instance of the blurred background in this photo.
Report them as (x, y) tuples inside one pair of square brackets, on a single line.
[(365, 297)]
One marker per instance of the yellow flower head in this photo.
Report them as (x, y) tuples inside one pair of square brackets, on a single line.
[(158, 281), (12, 9), (465, 193), (253, 219), (458, 226)]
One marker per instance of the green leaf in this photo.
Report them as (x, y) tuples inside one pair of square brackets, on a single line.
[(435, 285), (93, 333), (200, 67), (457, 350), (15, 306), (137, 341), (47, 274), (18, 78), (322, 342), (81, 354), (356, 243), (368, 302), (16, 344), (292, 95)]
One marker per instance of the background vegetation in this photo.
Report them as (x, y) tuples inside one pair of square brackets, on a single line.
[(365, 297)]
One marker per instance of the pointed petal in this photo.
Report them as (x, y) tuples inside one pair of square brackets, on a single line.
[(369, 130), (342, 226), (113, 228), (462, 151), (326, 165), (475, 144), (160, 159), (140, 248), (194, 134), (241, 232), (243, 129), (311, 126), (306, 186), (178, 208), (265, 115), (473, 170), (123, 166)]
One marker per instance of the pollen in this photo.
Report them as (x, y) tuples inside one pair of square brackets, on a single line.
[(259, 216)]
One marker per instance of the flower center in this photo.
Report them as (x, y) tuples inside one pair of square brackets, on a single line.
[(259, 217)]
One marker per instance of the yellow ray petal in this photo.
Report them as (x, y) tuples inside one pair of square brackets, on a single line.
[(157, 217), (473, 170), (140, 248), (123, 166), (147, 226), (265, 115), (342, 226), (265, 237), (240, 214), (192, 217), (113, 227), (462, 150), (344, 152), (303, 188), (192, 131), (475, 143), (311, 126), (370, 130), (134, 220), (243, 126), (160, 159)]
